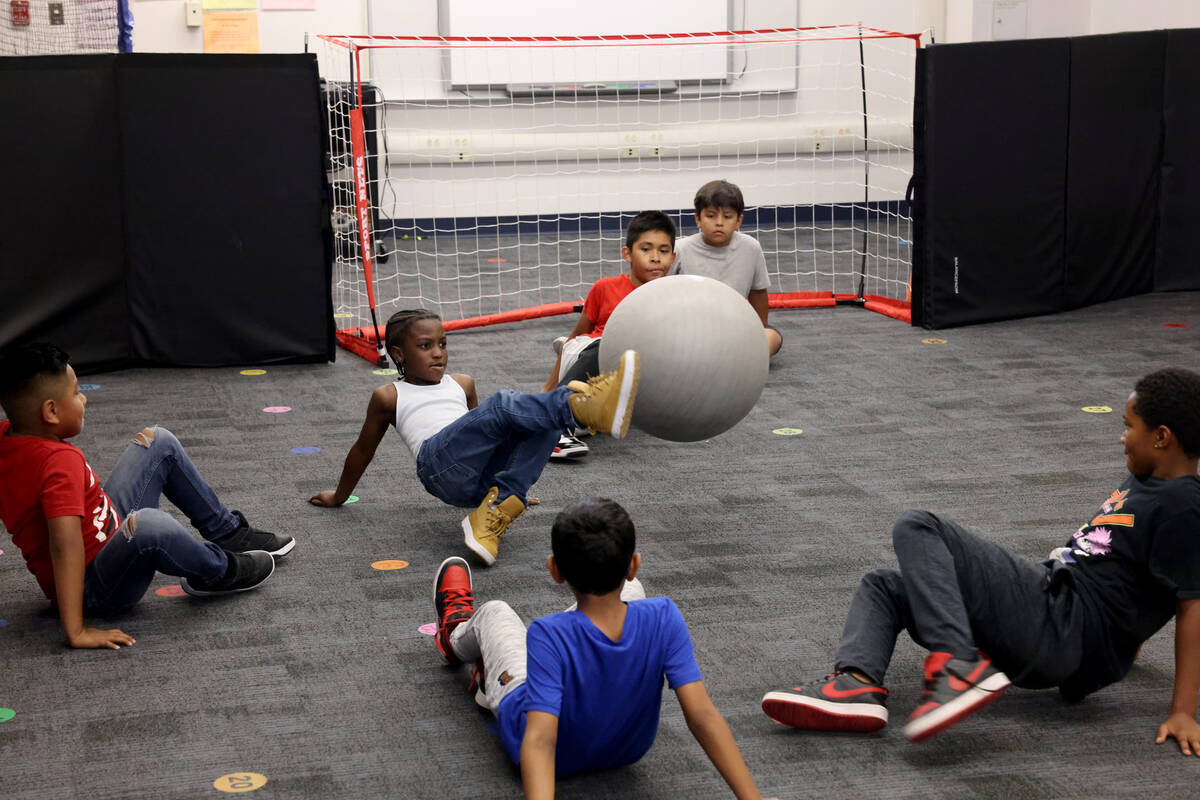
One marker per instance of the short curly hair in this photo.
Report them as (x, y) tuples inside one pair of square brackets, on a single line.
[(593, 542), (1171, 397)]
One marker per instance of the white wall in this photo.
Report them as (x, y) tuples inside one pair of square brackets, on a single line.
[(972, 20)]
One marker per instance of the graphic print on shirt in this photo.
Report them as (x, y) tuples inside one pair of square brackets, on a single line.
[(1096, 538), (105, 519)]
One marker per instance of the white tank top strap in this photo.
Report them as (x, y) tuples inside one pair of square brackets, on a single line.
[(422, 411)]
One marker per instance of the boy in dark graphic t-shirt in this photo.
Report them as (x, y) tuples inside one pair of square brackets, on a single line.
[(1074, 621)]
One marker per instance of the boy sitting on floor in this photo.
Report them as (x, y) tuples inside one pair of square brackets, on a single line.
[(588, 694), (722, 252), (649, 249), (94, 549)]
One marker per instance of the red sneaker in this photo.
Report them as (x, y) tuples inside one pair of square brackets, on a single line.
[(454, 602), (954, 690), (837, 702)]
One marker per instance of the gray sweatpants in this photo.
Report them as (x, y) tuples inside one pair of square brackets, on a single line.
[(959, 594), (497, 634)]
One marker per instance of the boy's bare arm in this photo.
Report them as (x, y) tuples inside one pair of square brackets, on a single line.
[(711, 731), (381, 410), (537, 754), (66, 554), (468, 386), (1181, 724), (582, 326), (760, 302)]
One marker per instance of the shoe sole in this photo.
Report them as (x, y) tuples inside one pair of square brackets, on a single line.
[(283, 551), (958, 709), (630, 371), (569, 455), (810, 713), (194, 592), (473, 544)]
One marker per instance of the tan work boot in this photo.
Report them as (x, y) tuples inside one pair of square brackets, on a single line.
[(605, 402), (484, 526)]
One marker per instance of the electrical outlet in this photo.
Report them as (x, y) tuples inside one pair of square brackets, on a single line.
[(629, 152), (822, 145), (191, 12), (56, 13), (461, 155), (656, 152)]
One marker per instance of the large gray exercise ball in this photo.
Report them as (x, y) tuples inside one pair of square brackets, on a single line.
[(704, 355)]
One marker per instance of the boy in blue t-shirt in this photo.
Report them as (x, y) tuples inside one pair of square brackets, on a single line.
[(583, 688)]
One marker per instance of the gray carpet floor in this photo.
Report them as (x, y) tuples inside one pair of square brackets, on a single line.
[(322, 682)]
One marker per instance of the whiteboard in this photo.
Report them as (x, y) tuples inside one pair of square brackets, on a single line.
[(573, 65)]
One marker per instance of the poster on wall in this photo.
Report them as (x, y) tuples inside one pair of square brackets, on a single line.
[(231, 32)]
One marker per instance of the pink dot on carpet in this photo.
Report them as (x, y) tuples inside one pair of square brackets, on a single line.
[(277, 409), (429, 628)]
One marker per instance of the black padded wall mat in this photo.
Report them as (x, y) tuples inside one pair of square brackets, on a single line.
[(1178, 262), (62, 256), (995, 157), (1114, 152), (224, 208), (1056, 173), (166, 209)]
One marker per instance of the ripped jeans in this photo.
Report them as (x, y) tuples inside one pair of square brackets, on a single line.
[(149, 540)]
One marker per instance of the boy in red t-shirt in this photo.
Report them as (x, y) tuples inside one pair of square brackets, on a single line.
[(650, 250), (94, 549)]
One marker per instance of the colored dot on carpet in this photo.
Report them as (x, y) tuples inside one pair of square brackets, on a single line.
[(497, 260), (385, 372), (3, 623), (429, 628), (933, 341), (787, 431), (88, 387), (1096, 409), (277, 409), (342, 315), (1174, 324), (389, 563), (254, 372), (305, 450), (170, 591), (240, 782), (6, 714), (351, 499)]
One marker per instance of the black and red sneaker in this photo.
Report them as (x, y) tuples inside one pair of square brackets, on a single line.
[(837, 702), (569, 448), (954, 689), (454, 602)]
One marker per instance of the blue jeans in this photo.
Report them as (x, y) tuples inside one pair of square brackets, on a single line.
[(149, 540), (504, 442)]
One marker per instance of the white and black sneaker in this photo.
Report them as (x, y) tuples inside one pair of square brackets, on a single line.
[(245, 571), (245, 537), (557, 345), (569, 448)]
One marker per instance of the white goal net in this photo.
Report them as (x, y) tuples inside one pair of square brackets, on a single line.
[(493, 176)]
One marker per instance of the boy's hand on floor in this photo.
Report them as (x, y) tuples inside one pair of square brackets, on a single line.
[(94, 637), (324, 499), (1184, 729)]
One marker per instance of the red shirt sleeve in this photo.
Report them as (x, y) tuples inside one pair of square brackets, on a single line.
[(64, 479)]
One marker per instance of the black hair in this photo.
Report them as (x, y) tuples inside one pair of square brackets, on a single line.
[(21, 365), (719, 194), (649, 221), (1171, 397), (397, 328), (593, 542)]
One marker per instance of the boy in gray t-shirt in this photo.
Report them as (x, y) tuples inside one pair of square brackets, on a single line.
[(722, 252)]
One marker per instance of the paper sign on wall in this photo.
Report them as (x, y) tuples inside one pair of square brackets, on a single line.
[(231, 32)]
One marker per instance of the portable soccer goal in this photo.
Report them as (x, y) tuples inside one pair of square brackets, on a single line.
[(489, 179)]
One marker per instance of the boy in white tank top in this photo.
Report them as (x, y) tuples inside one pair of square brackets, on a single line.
[(471, 454)]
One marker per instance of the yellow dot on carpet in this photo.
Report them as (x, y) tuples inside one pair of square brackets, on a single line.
[(1097, 409), (389, 563), (254, 372), (237, 782)]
